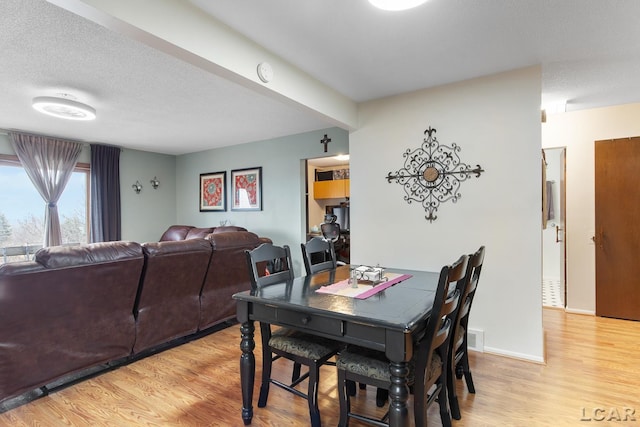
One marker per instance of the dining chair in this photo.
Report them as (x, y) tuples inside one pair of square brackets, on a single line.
[(459, 358), (428, 368), (316, 249), (268, 265)]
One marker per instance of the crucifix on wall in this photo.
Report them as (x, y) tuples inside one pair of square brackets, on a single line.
[(325, 141)]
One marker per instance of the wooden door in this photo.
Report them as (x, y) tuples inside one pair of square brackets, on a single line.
[(617, 238)]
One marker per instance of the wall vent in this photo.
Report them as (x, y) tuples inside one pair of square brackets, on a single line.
[(475, 340)]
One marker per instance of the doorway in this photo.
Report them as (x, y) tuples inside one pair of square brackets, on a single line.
[(554, 282), (328, 193), (617, 228)]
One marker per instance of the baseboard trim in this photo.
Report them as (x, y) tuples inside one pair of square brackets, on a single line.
[(514, 355), (578, 311)]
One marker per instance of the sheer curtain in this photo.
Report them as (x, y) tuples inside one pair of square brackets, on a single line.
[(49, 163), (105, 193)]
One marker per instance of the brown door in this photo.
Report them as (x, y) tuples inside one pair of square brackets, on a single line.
[(617, 239)]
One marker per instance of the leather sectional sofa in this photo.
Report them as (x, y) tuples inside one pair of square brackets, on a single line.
[(98, 305)]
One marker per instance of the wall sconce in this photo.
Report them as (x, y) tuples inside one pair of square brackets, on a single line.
[(137, 187), (155, 183)]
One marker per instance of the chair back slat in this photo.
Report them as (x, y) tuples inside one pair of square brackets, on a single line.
[(320, 248), (445, 304), (468, 288), (269, 264)]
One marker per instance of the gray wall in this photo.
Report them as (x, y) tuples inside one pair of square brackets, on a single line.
[(147, 215), (283, 182)]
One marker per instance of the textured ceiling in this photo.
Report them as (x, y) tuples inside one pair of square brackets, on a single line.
[(147, 100)]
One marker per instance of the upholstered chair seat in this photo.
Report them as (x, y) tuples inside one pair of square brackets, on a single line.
[(298, 344)]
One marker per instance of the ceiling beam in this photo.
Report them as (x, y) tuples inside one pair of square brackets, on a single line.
[(180, 29)]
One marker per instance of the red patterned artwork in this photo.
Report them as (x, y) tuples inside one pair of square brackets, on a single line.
[(246, 189), (212, 192)]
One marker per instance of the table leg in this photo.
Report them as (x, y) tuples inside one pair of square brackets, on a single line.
[(247, 369), (399, 394)]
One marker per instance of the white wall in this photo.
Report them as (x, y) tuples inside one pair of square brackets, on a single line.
[(496, 122), (578, 131)]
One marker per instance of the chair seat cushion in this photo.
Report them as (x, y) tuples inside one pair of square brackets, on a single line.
[(303, 345), (374, 364)]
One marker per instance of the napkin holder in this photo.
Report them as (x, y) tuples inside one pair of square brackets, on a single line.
[(370, 274)]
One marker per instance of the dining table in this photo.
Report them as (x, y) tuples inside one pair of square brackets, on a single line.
[(387, 316)]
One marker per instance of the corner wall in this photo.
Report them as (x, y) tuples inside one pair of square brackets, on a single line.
[(496, 122), (147, 215)]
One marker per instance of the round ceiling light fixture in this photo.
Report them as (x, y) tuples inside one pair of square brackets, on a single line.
[(396, 4), (63, 108)]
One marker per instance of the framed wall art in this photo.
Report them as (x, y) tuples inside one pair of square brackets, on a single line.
[(246, 189), (213, 192)]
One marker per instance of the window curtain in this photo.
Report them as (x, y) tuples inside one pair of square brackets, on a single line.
[(49, 163), (105, 193)]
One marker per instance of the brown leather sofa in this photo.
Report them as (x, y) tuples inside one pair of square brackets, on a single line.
[(168, 302), (69, 309), (73, 308)]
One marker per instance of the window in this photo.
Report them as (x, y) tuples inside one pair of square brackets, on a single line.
[(22, 210)]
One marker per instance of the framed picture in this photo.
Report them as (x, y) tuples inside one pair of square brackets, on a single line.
[(213, 192), (246, 189)]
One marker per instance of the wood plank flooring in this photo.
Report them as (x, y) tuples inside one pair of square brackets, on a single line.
[(592, 377)]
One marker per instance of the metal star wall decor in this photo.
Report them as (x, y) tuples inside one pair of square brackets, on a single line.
[(432, 174)]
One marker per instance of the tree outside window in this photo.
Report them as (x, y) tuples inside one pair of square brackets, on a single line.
[(22, 208)]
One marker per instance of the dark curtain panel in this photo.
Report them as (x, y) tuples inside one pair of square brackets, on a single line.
[(105, 193)]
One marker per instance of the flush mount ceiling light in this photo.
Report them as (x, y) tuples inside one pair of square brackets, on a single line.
[(63, 108), (396, 4)]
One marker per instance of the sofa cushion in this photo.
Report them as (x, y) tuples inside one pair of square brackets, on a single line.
[(176, 232), (227, 228), (227, 275), (94, 253), (198, 233), (178, 247), (168, 302), (68, 310)]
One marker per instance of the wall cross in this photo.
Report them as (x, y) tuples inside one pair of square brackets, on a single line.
[(325, 141)]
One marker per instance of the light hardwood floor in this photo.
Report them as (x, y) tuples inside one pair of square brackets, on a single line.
[(592, 373)]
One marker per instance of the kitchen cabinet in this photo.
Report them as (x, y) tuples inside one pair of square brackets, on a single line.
[(331, 189)]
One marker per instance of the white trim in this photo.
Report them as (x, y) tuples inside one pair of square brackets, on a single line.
[(514, 355), (579, 311)]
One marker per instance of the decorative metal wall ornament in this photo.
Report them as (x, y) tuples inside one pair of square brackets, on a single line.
[(432, 174)]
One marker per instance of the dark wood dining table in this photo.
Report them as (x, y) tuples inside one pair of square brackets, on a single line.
[(387, 321)]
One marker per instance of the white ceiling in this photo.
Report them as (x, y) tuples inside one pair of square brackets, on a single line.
[(148, 100)]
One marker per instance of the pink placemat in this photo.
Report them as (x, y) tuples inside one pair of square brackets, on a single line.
[(362, 291)]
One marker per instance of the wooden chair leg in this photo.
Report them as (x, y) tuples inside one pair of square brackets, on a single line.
[(445, 415), (343, 397), (266, 379), (312, 394), (467, 373), (296, 372), (351, 387), (453, 397), (382, 397)]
